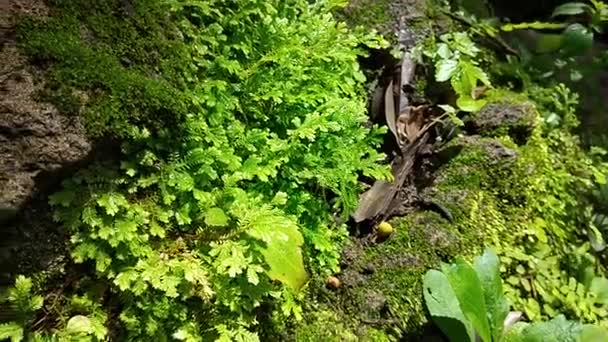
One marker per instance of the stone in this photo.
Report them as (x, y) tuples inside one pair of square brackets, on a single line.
[(35, 139), (495, 119)]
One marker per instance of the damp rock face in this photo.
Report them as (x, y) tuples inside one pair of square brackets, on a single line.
[(496, 119), (36, 140), (39, 146)]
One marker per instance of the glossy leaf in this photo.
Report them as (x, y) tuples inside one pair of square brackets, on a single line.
[(281, 248), (599, 286), (444, 307), (468, 104), (594, 333), (79, 325), (570, 8), (487, 267), (468, 289), (577, 39), (445, 69), (558, 329)]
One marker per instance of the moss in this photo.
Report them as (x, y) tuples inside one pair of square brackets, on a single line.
[(382, 287), (417, 19), (506, 114), (110, 58), (514, 198), (382, 282), (371, 14), (324, 325)]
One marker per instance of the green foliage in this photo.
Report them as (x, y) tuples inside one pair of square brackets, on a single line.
[(456, 59), (576, 36), (21, 298), (384, 284), (86, 319), (242, 136), (548, 271), (444, 307), (326, 326), (462, 295), (597, 12), (533, 211), (531, 221), (11, 331), (478, 305)]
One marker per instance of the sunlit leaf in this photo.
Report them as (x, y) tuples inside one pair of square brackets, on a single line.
[(570, 8), (445, 69), (444, 307), (79, 325)]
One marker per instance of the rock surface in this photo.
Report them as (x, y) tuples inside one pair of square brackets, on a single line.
[(38, 147), (495, 119), (35, 139)]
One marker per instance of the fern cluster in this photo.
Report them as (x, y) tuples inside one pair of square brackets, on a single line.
[(227, 195)]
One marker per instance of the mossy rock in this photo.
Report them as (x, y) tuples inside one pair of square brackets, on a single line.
[(381, 282), (104, 62), (469, 165), (496, 119), (400, 21)]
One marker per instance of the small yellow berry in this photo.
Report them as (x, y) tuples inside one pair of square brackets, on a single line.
[(384, 229)]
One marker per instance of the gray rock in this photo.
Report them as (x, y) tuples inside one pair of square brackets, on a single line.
[(38, 147), (495, 119), (35, 140)]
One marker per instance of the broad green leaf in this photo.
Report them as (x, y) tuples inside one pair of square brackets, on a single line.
[(452, 114), (216, 217), (447, 108), (570, 8), (548, 42), (79, 325), (443, 305), (443, 51), (487, 267), (469, 292), (281, 249), (468, 104), (513, 334), (577, 39), (12, 331), (467, 78), (461, 42), (445, 69)]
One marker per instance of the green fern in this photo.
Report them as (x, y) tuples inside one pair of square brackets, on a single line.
[(226, 204)]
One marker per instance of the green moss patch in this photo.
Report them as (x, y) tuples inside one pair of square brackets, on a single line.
[(116, 66)]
